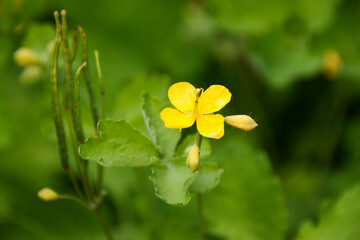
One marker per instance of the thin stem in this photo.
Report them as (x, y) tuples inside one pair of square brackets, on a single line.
[(60, 132), (74, 148), (200, 215), (73, 198), (74, 45), (103, 224), (75, 183), (101, 84), (103, 96), (198, 139), (69, 84), (77, 113), (88, 82)]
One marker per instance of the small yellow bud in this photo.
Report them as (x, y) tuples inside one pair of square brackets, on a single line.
[(242, 122), (25, 56), (47, 194), (332, 64), (193, 158)]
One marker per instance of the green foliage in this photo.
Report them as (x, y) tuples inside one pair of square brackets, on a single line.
[(341, 221), (286, 58), (172, 180), (249, 202), (119, 144), (129, 99), (269, 55), (39, 37), (208, 178), (164, 138), (249, 16)]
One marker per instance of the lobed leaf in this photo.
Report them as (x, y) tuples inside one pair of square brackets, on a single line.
[(172, 180), (341, 221), (248, 203), (207, 179), (164, 138), (119, 144)]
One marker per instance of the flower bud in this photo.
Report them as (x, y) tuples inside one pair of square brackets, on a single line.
[(47, 194), (332, 64), (193, 158), (25, 56), (242, 122)]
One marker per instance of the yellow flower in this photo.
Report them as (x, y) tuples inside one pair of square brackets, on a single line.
[(193, 104), (47, 194), (25, 56)]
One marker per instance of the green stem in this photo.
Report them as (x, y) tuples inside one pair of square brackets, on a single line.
[(75, 153), (103, 95), (101, 84), (73, 198), (103, 224), (200, 215), (88, 82), (74, 45), (198, 139), (77, 113), (60, 132), (69, 84)]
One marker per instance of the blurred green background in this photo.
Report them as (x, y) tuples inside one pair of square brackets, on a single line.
[(294, 66)]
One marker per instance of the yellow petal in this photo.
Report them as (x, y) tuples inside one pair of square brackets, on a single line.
[(213, 99), (242, 122), (183, 95), (176, 119), (211, 126)]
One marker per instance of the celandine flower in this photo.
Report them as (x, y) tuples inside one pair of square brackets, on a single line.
[(193, 104)]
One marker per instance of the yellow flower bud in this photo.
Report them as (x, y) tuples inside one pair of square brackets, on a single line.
[(193, 158), (242, 122), (25, 56), (47, 194), (332, 64)]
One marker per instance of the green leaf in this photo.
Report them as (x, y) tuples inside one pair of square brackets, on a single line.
[(255, 16), (119, 144), (250, 195), (172, 180), (184, 147), (164, 138), (286, 58), (316, 14), (340, 221), (129, 101), (207, 179)]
